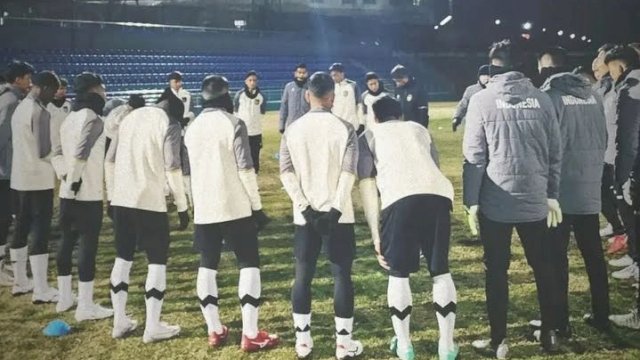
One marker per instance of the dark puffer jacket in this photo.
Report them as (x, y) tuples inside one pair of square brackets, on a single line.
[(512, 151), (584, 140)]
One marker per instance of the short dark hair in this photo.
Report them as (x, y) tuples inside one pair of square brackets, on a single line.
[(371, 76), (399, 72), (175, 75), (16, 69), (301, 66), (501, 50), (387, 108), (251, 73), (321, 84), (46, 79), (337, 67), (136, 101), (606, 47), (63, 82), (626, 54), (86, 81), (557, 54)]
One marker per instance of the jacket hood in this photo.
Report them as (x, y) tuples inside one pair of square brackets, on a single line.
[(568, 83), (511, 87), (631, 78)]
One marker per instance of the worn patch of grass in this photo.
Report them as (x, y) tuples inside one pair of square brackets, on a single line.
[(21, 322)]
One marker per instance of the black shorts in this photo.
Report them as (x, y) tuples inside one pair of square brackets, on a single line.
[(148, 230), (340, 245), (241, 235), (413, 224)]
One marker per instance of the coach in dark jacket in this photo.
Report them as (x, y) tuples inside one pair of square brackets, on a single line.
[(412, 96), (583, 132), (461, 109)]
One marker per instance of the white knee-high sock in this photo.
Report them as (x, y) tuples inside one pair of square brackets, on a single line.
[(444, 302), (120, 290), (65, 295), (344, 330), (400, 305), (39, 268), (19, 259), (85, 294), (302, 323), (249, 288), (154, 297), (207, 289)]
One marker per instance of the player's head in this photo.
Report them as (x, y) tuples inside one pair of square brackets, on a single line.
[(336, 70), (136, 101), (321, 92), (251, 80), (215, 93), (400, 75), (600, 69), (90, 92), (484, 74), (175, 80), (300, 73), (500, 53), (372, 80), (89, 83), (45, 85), (62, 91), (553, 57), (19, 74), (620, 59), (171, 104), (387, 108)]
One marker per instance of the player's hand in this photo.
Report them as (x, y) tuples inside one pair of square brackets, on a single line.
[(184, 220), (472, 219), (327, 222), (555, 213), (281, 131), (310, 215), (75, 187), (381, 260), (456, 122), (261, 219)]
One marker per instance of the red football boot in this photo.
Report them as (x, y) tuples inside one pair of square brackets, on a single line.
[(217, 340), (262, 341)]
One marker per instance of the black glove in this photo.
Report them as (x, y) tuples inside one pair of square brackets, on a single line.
[(456, 122), (184, 122), (261, 219), (360, 130), (184, 220), (327, 221), (110, 211), (310, 215), (281, 131), (75, 187)]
